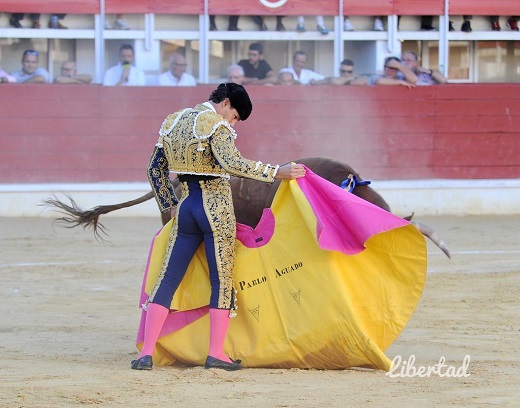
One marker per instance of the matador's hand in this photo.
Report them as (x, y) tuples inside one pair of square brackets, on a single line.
[(290, 171)]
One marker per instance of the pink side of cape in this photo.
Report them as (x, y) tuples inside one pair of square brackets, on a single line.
[(344, 221), (261, 234)]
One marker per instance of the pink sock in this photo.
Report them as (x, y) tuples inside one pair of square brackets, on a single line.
[(218, 328), (155, 317)]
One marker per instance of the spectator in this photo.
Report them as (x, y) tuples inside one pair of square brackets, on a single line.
[(177, 75), (427, 23), (259, 20), (391, 68), (512, 23), (378, 24), (286, 78), (69, 75), (319, 24), (119, 24), (300, 73), (279, 23), (232, 23), (235, 74), (466, 24), (425, 76), (55, 21), (30, 72), (17, 17), (346, 76), (124, 73), (257, 71), (5, 77)]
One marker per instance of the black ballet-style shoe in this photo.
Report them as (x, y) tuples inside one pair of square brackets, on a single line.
[(212, 362), (143, 363)]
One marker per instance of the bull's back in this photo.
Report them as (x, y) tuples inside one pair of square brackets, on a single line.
[(250, 197)]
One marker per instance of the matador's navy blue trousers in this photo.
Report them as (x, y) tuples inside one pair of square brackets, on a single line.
[(205, 214)]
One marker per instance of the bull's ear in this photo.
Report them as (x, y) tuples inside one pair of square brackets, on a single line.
[(409, 218)]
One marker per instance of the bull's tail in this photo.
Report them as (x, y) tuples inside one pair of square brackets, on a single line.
[(75, 216), (430, 233)]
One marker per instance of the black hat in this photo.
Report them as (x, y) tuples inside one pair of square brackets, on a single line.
[(239, 99)]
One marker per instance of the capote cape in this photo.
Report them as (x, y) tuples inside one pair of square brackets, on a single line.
[(326, 280)]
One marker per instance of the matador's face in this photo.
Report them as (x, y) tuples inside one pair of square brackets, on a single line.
[(229, 113)]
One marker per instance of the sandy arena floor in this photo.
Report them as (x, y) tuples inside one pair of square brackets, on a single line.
[(69, 319)]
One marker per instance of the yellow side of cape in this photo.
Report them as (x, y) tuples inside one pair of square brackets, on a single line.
[(300, 306)]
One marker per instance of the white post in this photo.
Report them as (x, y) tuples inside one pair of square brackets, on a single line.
[(204, 46), (339, 45), (444, 45), (99, 42)]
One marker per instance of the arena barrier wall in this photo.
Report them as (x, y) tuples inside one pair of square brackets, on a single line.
[(441, 149)]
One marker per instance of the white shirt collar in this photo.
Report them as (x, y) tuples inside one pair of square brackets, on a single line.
[(209, 105)]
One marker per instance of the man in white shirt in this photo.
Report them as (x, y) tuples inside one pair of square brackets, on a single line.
[(177, 75), (235, 74), (300, 73), (124, 73)]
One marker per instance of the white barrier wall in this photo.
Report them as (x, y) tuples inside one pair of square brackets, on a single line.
[(451, 197), (422, 197)]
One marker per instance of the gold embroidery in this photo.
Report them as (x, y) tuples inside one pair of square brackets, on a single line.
[(218, 205), (199, 141), (159, 180), (171, 242)]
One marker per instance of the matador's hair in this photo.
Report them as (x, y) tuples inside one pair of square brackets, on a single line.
[(237, 95)]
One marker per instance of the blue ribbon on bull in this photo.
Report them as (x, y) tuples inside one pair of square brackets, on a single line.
[(352, 181)]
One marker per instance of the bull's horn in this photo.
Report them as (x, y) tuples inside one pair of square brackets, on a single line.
[(430, 233)]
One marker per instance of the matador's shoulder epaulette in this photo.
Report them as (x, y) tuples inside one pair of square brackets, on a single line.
[(207, 122), (170, 122)]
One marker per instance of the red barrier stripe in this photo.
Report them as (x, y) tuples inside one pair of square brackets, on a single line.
[(51, 6), (261, 7), (368, 8), (485, 8), (177, 7), (418, 8), (127, 6)]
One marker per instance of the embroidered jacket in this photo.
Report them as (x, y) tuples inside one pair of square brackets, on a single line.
[(199, 141)]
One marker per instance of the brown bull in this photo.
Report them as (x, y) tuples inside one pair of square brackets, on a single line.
[(250, 197)]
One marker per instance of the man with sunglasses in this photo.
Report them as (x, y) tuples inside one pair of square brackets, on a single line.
[(69, 75), (30, 72), (392, 74), (235, 74), (177, 75), (347, 76)]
